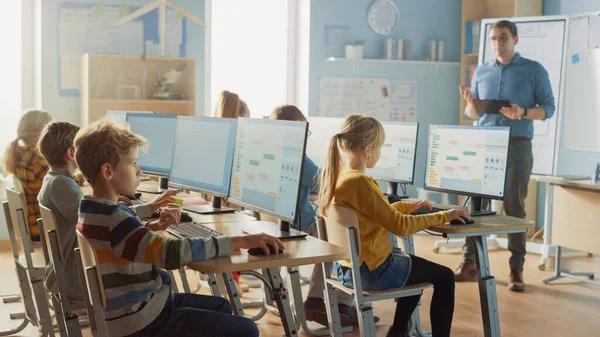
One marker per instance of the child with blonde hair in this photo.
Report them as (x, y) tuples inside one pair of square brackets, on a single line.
[(343, 182), (231, 106), (139, 300), (23, 160)]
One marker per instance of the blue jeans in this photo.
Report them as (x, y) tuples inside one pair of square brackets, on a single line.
[(392, 273), (187, 315)]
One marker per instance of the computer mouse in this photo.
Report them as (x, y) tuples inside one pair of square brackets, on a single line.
[(260, 251), (186, 217), (457, 222)]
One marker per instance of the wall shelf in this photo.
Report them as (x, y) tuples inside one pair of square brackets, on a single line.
[(339, 59)]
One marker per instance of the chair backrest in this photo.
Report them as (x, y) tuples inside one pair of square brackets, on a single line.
[(50, 224), (337, 222), (18, 214), (89, 259), (17, 184)]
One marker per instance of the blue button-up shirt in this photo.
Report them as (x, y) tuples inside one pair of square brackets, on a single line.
[(309, 182), (521, 81)]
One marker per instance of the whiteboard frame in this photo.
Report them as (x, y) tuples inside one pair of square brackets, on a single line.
[(577, 16), (561, 90)]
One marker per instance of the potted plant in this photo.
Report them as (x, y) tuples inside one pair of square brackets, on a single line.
[(354, 50)]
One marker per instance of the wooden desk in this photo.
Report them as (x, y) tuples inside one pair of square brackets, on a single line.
[(304, 251), (575, 214), (476, 233)]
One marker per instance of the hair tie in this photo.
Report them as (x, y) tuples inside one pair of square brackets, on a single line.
[(338, 136)]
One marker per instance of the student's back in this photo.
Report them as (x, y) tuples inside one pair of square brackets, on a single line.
[(61, 194), (23, 160)]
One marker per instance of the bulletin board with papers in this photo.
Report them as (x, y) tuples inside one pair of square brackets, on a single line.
[(84, 28)]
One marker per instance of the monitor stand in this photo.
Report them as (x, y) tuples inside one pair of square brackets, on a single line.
[(475, 207), (393, 189), (284, 226), (163, 186), (214, 208)]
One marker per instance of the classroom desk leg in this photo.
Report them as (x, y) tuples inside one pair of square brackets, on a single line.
[(547, 215), (184, 281), (415, 321), (234, 297), (487, 288), (214, 285), (560, 272), (283, 302), (296, 288)]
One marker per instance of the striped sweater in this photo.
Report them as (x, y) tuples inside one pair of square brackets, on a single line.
[(130, 257)]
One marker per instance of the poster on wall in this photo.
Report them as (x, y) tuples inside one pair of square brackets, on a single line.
[(91, 29), (376, 97)]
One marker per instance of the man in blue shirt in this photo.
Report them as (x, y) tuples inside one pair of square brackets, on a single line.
[(526, 85)]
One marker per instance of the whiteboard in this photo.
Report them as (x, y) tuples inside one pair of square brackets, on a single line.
[(541, 39), (375, 97), (582, 95)]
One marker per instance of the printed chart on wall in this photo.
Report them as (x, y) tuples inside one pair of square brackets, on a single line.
[(91, 29), (582, 98), (380, 98)]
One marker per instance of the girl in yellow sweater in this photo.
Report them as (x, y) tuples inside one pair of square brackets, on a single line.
[(343, 182)]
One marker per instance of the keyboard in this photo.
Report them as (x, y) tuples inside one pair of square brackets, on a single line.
[(424, 210), (192, 230), (136, 202)]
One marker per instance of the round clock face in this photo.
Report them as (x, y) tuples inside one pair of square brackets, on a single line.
[(383, 16)]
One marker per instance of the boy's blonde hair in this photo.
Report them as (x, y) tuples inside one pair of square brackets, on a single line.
[(230, 106), (103, 142), (56, 139), (30, 126), (357, 133)]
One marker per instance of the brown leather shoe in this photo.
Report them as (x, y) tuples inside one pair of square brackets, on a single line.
[(515, 281), (466, 272)]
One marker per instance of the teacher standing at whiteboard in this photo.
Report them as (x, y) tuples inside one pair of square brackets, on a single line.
[(526, 85)]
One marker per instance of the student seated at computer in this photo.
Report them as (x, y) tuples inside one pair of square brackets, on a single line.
[(61, 193), (231, 106), (343, 182), (138, 292), (22, 160)]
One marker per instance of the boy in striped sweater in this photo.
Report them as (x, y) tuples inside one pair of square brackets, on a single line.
[(131, 255)]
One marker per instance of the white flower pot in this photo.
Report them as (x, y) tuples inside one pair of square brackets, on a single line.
[(354, 52)]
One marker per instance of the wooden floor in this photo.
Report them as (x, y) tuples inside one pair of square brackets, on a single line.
[(564, 308)]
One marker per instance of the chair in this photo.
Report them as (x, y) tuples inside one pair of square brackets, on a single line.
[(18, 187), (29, 264), (341, 228), (64, 307), (94, 297)]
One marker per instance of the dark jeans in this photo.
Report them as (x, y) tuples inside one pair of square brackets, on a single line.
[(198, 316), (442, 303), (518, 171)]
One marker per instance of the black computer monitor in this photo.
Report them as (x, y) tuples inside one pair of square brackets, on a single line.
[(397, 162), (267, 167), (321, 131), (159, 130), (203, 158), (468, 160)]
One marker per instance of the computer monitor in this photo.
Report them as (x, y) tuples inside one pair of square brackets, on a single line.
[(267, 166), (203, 157), (159, 130), (397, 162), (122, 115), (321, 129), (468, 160)]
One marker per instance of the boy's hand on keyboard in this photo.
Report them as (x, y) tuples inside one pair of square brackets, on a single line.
[(168, 217), (419, 204), (163, 200), (124, 200), (257, 241)]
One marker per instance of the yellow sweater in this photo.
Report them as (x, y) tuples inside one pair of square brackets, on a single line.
[(376, 216)]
